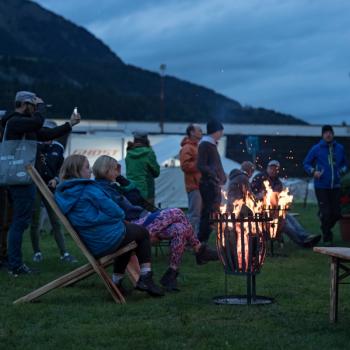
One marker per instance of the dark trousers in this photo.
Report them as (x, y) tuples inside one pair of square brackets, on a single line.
[(211, 199), (55, 223), (5, 219), (329, 210), (22, 199), (143, 251)]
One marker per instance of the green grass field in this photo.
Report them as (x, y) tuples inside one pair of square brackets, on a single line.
[(85, 317)]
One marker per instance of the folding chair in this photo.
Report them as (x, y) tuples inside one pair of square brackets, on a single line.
[(93, 266)]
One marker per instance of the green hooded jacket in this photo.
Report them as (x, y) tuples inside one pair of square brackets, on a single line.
[(142, 168)]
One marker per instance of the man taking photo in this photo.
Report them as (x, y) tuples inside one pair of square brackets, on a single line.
[(26, 121)]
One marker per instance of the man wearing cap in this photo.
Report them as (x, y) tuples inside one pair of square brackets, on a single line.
[(326, 162), (213, 176), (188, 161), (26, 120), (291, 227)]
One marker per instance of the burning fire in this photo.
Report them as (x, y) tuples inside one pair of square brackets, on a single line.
[(276, 204), (243, 223)]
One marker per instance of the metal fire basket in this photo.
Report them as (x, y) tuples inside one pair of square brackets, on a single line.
[(241, 246), (276, 215)]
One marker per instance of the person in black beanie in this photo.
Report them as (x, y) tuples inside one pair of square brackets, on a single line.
[(213, 176), (326, 162)]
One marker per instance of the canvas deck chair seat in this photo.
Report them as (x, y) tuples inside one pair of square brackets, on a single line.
[(93, 266)]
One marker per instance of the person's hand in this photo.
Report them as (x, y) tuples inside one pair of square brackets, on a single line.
[(318, 174), (74, 119), (52, 183)]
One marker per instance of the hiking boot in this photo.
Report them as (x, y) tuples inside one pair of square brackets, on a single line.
[(168, 281), (311, 241), (37, 257), (146, 284), (23, 270), (66, 257), (206, 254)]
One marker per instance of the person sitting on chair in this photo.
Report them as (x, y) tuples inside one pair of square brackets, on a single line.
[(291, 227), (167, 224), (100, 222)]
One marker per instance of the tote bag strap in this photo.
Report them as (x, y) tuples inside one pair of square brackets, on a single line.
[(5, 132)]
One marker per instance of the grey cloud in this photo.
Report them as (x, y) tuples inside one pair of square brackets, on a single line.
[(292, 56)]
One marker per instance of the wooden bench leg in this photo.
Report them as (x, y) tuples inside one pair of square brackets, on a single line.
[(334, 289)]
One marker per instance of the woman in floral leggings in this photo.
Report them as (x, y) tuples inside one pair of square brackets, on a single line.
[(167, 224)]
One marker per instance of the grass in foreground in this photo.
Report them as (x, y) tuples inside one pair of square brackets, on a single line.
[(85, 317)]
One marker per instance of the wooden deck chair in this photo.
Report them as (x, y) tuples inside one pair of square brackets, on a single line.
[(93, 266)]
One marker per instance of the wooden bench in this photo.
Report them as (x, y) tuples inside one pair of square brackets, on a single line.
[(93, 266), (339, 258)]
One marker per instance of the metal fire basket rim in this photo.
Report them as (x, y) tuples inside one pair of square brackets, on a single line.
[(230, 217), (242, 300)]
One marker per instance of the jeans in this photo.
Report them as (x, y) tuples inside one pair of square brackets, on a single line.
[(194, 209), (5, 219), (294, 230), (56, 227), (329, 210), (211, 199), (23, 198)]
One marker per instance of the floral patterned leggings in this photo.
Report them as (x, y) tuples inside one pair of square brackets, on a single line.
[(173, 225)]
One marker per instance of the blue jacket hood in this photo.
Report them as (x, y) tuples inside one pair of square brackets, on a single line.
[(92, 212), (69, 192)]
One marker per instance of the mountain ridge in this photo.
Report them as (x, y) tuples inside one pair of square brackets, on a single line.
[(67, 65)]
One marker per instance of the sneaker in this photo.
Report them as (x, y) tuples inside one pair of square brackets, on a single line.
[(37, 257), (311, 241), (146, 284), (168, 281), (66, 257), (206, 254), (23, 270)]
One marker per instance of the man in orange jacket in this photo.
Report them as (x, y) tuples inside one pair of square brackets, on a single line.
[(188, 160)]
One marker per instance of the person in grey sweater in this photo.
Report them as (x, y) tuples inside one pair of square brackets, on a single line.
[(213, 176)]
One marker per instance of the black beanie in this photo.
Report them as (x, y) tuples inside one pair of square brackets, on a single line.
[(214, 126), (327, 128)]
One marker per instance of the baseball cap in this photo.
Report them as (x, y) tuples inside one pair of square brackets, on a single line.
[(29, 97), (274, 163)]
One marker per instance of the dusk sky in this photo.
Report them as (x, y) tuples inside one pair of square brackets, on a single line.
[(289, 55)]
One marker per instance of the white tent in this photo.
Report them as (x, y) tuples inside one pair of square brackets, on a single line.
[(170, 187)]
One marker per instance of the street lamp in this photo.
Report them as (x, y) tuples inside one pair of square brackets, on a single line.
[(162, 69)]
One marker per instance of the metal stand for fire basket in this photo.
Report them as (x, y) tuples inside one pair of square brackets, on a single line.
[(241, 245)]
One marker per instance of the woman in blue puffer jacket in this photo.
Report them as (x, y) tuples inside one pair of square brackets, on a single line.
[(100, 222)]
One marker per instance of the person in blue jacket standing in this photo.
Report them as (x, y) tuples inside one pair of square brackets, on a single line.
[(326, 162)]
